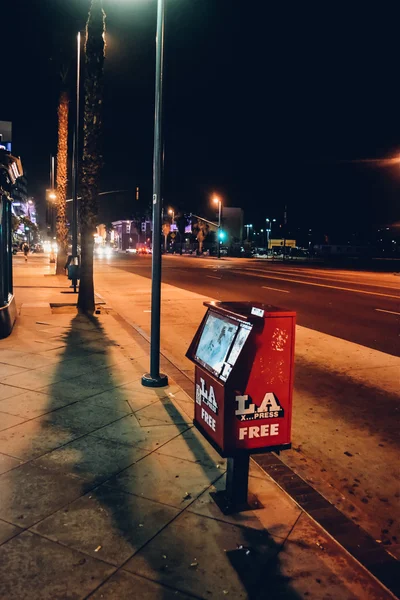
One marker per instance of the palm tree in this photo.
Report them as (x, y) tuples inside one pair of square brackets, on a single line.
[(61, 181), (166, 228), (92, 159), (201, 230)]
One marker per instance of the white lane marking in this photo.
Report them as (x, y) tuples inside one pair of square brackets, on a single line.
[(323, 276), (332, 287), (213, 277), (147, 311), (265, 287), (391, 312)]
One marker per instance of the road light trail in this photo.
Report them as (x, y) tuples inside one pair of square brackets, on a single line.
[(379, 162), (391, 312), (100, 194), (265, 287), (309, 274), (332, 287)]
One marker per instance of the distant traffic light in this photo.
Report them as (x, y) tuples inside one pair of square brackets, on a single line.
[(222, 235)]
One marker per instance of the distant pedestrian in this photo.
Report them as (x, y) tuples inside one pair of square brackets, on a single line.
[(25, 248)]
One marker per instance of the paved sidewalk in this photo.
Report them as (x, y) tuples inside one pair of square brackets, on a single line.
[(104, 484)]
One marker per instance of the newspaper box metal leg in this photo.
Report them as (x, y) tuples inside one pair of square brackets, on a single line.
[(235, 497)]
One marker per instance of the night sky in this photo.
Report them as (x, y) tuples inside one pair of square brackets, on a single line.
[(263, 105)]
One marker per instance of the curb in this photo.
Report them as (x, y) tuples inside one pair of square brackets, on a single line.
[(356, 542)]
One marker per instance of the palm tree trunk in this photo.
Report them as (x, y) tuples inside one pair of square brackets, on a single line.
[(92, 159), (62, 160)]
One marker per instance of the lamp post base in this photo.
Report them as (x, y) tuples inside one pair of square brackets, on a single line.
[(160, 381)]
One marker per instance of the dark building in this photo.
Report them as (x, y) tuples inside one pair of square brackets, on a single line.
[(126, 234), (232, 224), (5, 135), (20, 191)]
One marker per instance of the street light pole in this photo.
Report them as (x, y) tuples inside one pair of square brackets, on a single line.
[(269, 229), (284, 232), (248, 227), (52, 180), (219, 227), (76, 155), (155, 378), (218, 200)]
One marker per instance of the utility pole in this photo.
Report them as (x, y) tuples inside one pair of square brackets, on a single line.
[(52, 205), (75, 166), (155, 378), (268, 230), (248, 228), (218, 201), (51, 198), (284, 231)]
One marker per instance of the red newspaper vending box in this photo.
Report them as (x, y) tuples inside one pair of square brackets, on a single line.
[(244, 358)]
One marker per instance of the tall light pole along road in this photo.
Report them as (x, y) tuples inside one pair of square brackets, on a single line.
[(217, 200), (268, 229), (248, 227), (75, 153), (155, 378)]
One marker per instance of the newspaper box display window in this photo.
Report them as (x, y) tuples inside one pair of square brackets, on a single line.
[(244, 356)]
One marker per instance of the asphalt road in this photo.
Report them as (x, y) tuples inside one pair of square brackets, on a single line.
[(361, 307)]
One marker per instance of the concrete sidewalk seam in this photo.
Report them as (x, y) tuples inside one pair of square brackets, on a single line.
[(121, 567)]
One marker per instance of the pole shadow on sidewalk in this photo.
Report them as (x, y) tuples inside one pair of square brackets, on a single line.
[(115, 492)]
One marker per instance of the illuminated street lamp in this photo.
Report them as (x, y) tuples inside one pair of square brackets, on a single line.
[(248, 227), (172, 213), (75, 158), (217, 200), (155, 378), (268, 229)]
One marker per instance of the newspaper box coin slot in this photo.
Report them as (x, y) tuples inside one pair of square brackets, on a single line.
[(244, 357)]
